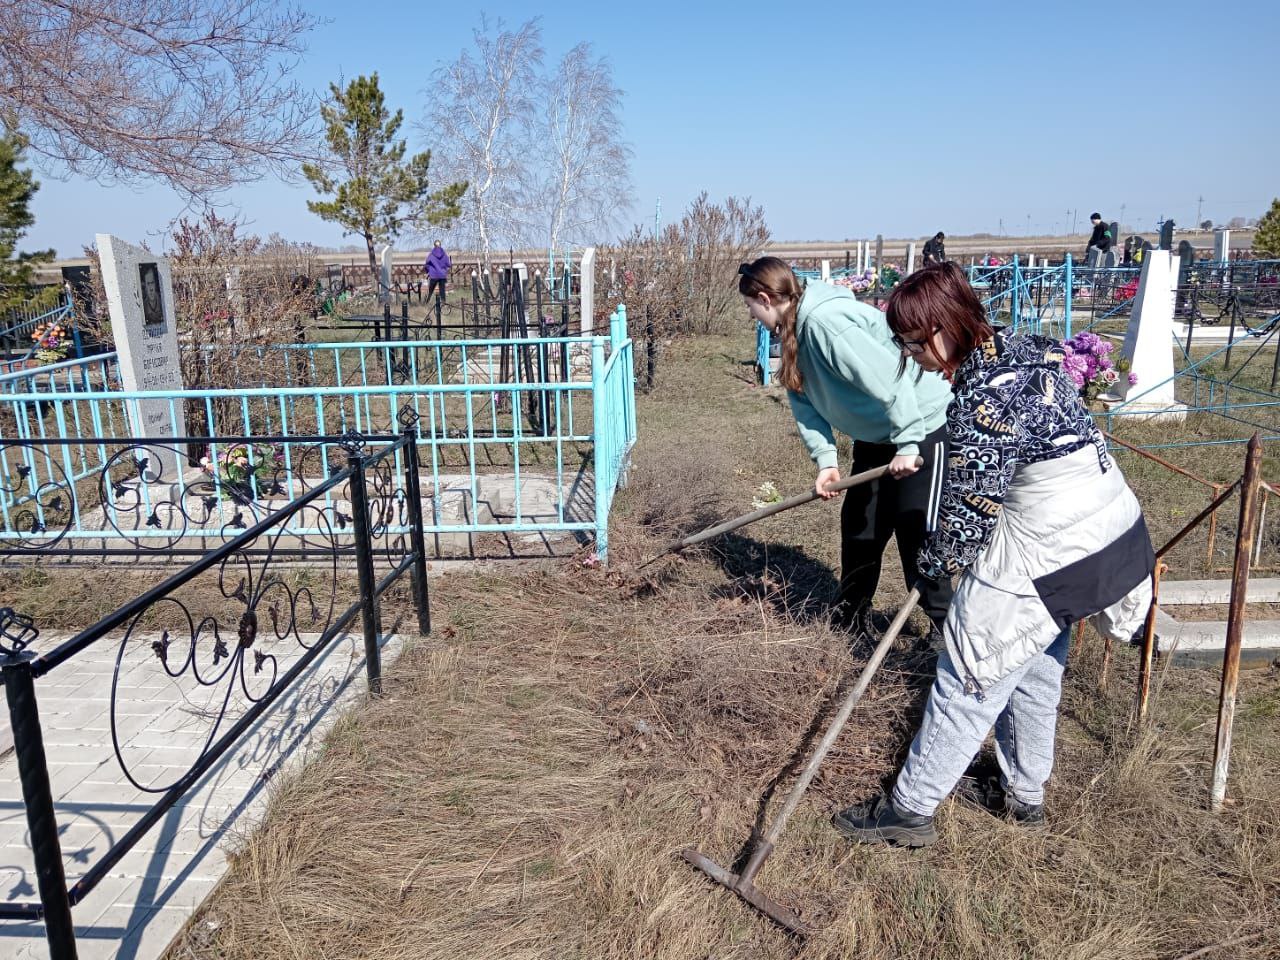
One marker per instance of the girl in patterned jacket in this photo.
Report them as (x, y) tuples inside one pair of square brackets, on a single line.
[(1043, 531)]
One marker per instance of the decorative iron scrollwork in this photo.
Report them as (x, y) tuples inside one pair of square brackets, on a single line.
[(17, 631)]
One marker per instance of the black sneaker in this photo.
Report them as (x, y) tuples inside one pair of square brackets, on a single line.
[(879, 821), (861, 628), (1023, 814), (931, 642)]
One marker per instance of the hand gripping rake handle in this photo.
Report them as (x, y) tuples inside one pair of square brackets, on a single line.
[(729, 525)]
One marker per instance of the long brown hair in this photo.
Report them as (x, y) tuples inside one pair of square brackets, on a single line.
[(938, 298), (772, 276)]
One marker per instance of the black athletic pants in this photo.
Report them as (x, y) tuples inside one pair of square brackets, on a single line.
[(431, 290), (873, 512)]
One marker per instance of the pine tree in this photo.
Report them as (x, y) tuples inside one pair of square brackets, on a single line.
[(375, 190), (17, 187), (1266, 242)]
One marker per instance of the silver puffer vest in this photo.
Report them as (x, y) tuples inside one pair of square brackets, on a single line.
[(1070, 544)]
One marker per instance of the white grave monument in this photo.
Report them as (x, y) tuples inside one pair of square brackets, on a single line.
[(1148, 344), (139, 288), (235, 294), (587, 288), (826, 271), (911, 257), (384, 275), (1221, 245)]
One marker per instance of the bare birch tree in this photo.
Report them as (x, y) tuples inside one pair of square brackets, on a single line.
[(719, 238), (585, 171), (481, 120), (193, 93)]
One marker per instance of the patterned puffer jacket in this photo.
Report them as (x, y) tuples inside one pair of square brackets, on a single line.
[(1035, 514)]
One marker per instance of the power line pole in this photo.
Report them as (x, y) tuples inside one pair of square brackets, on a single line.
[(1199, 203)]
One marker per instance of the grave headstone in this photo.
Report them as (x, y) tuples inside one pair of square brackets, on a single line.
[(1186, 254), (1166, 235), (139, 289), (384, 274), (235, 294), (911, 257), (826, 271), (80, 281), (1221, 246), (1148, 343), (587, 288), (879, 251)]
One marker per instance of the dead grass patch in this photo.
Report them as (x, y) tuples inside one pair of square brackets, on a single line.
[(523, 788)]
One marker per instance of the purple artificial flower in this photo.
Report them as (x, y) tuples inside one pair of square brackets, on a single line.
[(1074, 367), (1133, 378)]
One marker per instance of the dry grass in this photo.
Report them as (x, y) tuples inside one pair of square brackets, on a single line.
[(523, 788)]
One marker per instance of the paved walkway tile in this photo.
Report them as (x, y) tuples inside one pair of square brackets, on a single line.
[(162, 723)]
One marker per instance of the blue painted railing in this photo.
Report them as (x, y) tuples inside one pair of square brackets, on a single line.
[(19, 325), (462, 395), (762, 354), (1036, 299)]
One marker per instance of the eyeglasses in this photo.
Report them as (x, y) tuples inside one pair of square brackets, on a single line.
[(913, 346)]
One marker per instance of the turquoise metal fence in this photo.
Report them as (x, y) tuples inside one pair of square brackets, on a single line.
[(1027, 299), (515, 432), (18, 326), (762, 354)]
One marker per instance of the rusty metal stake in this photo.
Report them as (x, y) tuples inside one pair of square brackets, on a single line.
[(1213, 530), (1149, 643), (1106, 663), (1235, 622), (1079, 645)]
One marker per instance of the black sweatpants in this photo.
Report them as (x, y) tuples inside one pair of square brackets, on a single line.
[(875, 511), (431, 289)]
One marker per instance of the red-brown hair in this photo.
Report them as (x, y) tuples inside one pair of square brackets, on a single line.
[(938, 298), (774, 277)]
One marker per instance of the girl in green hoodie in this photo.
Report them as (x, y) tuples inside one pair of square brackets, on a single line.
[(840, 368)]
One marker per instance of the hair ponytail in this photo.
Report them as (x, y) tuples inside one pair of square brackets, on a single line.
[(773, 276)]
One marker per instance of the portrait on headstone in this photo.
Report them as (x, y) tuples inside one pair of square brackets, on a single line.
[(152, 300)]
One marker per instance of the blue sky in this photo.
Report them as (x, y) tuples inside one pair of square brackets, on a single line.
[(844, 119)]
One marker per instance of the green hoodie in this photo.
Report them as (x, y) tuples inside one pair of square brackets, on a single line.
[(851, 383)]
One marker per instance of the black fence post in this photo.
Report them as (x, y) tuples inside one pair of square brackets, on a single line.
[(413, 480), (364, 568), (386, 320), (37, 796), (404, 337)]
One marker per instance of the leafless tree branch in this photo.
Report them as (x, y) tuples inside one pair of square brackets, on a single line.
[(193, 93)]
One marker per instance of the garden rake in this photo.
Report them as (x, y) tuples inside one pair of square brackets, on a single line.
[(743, 884), (728, 526)]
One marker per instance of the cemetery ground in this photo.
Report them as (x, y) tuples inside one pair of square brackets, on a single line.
[(525, 783)]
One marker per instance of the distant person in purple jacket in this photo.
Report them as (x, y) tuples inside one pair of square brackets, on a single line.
[(437, 266)]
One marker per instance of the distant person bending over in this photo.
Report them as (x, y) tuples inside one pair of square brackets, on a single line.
[(1099, 241), (437, 265), (934, 250), (839, 366), (1042, 528)]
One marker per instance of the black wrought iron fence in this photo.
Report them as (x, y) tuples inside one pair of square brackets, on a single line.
[(261, 618)]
